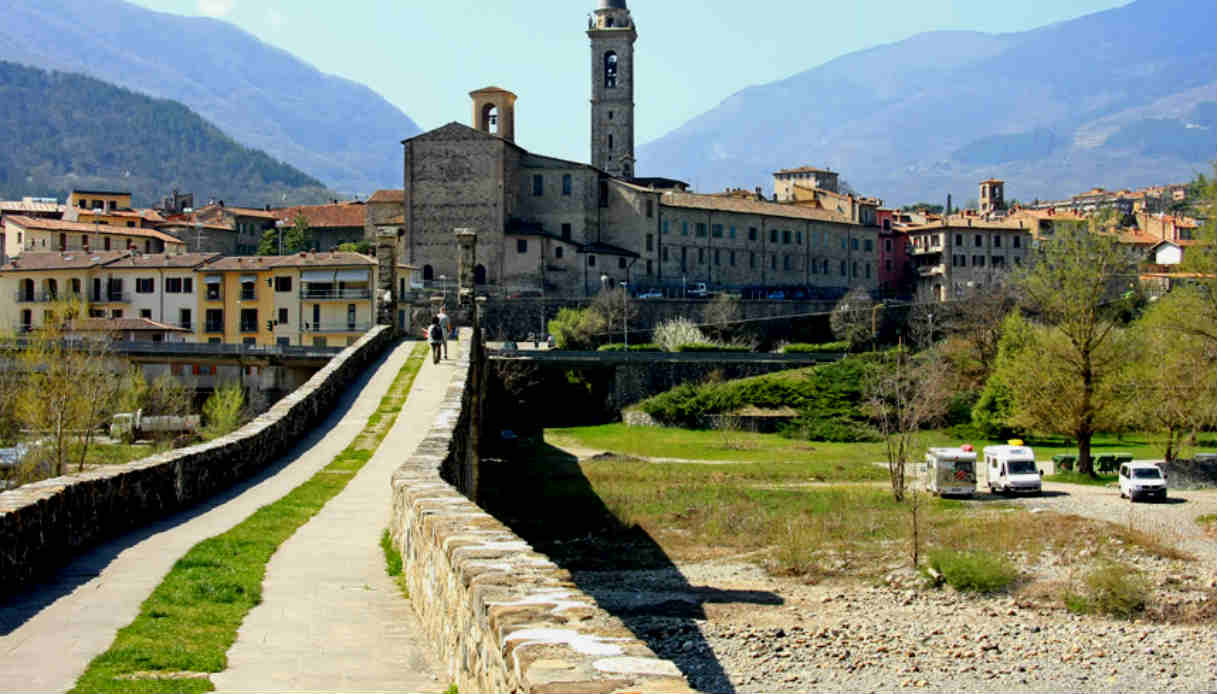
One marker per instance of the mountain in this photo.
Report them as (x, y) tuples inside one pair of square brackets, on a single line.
[(63, 131), (337, 130), (1119, 98)]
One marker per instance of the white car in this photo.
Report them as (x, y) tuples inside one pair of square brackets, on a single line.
[(1142, 481), (653, 294)]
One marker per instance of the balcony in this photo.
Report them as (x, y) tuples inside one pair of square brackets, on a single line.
[(107, 297), (335, 294), (932, 270), (44, 297), (249, 327), (341, 327), (213, 327)]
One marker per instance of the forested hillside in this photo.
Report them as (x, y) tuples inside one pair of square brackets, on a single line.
[(61, 131)]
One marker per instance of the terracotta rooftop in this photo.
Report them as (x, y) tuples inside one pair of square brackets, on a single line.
[(268, 262), (388, 196), (163, 260), (240, 211), (757, 207), (27, 205), (965, 222), (343, 214), (802, 169), (66, 260), (81, 227)]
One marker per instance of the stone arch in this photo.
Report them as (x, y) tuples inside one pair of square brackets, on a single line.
[(428, 273), (27, 289), (610, 70), (490, 118)]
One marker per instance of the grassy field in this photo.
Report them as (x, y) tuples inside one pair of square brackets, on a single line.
[(653, 442), (185, 628)]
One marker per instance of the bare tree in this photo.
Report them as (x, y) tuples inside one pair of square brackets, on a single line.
[(720, 313), (904, 394), (977, 317), (617, 308)]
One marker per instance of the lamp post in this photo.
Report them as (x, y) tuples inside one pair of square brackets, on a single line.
[(443, 287), (279, 224)]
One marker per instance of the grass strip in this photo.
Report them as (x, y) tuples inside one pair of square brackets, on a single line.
[(393, 562), (187, 625)]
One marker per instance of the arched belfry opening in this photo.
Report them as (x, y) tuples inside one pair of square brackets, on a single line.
[(610, 70), (494, 112)]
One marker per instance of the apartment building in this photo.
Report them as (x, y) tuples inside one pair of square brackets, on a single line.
[(162, 287), (964, 252), (108, 208), (38, 288), (29, 234)]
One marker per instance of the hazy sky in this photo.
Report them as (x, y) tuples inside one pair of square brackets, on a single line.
[(425, 57)]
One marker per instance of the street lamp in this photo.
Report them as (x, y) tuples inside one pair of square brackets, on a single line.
[(443, 287)]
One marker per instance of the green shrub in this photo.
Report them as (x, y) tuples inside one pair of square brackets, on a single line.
[(832, 410), (619, 347), (975, 571), (1114, 589), (711, 347), (223, 411), (805, 348)]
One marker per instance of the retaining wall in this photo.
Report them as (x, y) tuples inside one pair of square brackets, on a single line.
[(46, 524), (501, 616), (1190, 474)]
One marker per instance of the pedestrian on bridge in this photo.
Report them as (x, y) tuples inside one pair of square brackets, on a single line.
[(445, 326), (435, 335)]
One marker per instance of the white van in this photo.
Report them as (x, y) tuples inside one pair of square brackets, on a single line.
[(1011, 469), (1142, 480), (951, 471)]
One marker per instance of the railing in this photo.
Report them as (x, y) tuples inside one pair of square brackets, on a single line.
[(213, 296), (108, 297), (201, 349), (213, 327), (249, 327), (342, 327), (329, 294), (248, 296), (186, 326), (928, 270), (44, 297)]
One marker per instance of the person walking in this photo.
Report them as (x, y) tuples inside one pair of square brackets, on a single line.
[(445, 326), (435, 336)]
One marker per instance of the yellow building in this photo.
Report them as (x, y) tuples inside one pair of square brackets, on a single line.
[(37, 287), (107, 207), (28, 234), (319, 299)]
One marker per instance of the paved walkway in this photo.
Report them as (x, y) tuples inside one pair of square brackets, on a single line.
[(49, 634), (331, 620)]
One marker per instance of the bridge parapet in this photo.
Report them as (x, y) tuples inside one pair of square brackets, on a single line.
[(503, 616), (46, 524)]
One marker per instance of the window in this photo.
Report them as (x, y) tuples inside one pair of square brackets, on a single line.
[(610, 142), (351, 313), (610, 115), (214, 320), (844, 269), (144, 285), (853, 244), (650, 209), (283, 284), (731, 232), (282, 316), (610, 70), (959, 261), (814, 267), (84, 241), (566, 184), (249, 290), (844, 246), (716, 231), (998, 261), (521, 245), (145, 313), (958, 239), (752, 259), (566, 231), (538, 185), (978, 261), (785, 262), (621, 264), (887, 245), (868, 271), (701, 256), (650, 243), (786, 237), (428, 273), (684, 228), (666, 227), (731, 259), (649, 267), (798, 237), (684, 258), (319, 342), (183, 319), (1017, 242), (773, 236), (129, 224), (773, 261), (249, 320), (701, 230), (855, 269), (173, 285), (869, 245), (979, 241), (718, 258), (604, 194), (664, 254), (996, 241), (887, 266), (591, 261), (558, 252), (751, 233)]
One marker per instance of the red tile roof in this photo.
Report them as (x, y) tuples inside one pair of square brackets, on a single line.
[(268, 262), (757, 207), (66, 260), (80, 227), (343, 214), (388, 196)]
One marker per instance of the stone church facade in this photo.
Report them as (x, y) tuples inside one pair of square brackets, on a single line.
[(563, 228)]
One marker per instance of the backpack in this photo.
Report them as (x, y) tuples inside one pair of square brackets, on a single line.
[(433, 333)]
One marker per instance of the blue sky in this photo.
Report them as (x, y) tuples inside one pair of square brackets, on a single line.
[(425, 57)]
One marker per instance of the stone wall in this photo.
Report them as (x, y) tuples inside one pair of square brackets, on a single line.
[(1190, 474), (46, 524), (502, 616)]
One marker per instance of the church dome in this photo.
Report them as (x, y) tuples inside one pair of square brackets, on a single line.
[(613, 5)]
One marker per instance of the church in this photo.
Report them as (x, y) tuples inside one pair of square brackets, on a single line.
[(551, 227)]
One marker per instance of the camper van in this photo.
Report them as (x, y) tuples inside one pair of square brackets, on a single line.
[(1011, 469), (951, 471)]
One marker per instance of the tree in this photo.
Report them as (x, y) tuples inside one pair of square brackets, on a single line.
[(993, 413), (615, 308), (1063, 381), (979, 317), (298, 237), (903, 394), (1168, 396), (721, 312), (852, 320)]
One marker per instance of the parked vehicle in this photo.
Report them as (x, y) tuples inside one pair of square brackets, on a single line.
[(1011, 469), (777, 295), (699, 290), (652, 294), (1142, 481), (951, 471)]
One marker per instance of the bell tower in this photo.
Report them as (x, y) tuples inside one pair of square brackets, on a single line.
[(612, 32)]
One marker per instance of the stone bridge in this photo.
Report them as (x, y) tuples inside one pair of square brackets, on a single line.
[(79, 554)]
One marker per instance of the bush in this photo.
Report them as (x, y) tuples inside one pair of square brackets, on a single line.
[(975, 571), (619, 347), (223, 411), (711, 347), (681, 331), (805, 348), (575, 329), (688, 404), (1117, 590), (832, 410)]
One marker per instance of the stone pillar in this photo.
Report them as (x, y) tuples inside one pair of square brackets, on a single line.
[(467, 238), (386, 276)]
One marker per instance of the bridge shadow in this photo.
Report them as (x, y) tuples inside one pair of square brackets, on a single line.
[(541, 493), (22, 605)]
